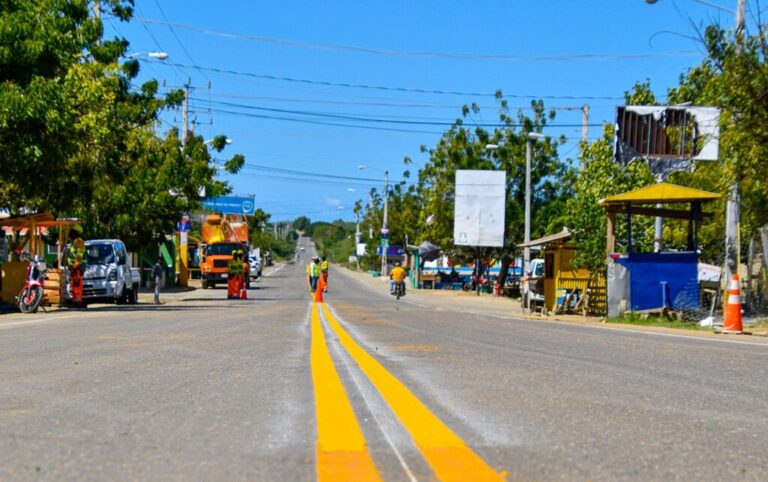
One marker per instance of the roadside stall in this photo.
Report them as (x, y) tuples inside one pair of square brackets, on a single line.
[(654, 281), (28, 235), (566, 287)]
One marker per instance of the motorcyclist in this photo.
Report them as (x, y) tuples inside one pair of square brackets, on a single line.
[(397, 275)]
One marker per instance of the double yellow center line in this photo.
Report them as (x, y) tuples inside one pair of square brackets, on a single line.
[(447, 454)]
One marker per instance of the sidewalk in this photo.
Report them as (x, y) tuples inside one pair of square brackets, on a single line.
[(504, 307)]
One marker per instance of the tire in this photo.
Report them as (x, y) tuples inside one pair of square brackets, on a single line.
[(30, 299), (133, 295), (205, 284)]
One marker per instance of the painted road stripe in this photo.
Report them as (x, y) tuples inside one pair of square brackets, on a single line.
[(447, 454), (341, 450)]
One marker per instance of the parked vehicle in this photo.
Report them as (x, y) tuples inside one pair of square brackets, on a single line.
[(108, 276), (220, 237), (532, 284), (31, 295), (254, 262)]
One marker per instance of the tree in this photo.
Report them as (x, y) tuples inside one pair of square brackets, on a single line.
[(599, 177), (77, 138), (301, 223), (465, 148)]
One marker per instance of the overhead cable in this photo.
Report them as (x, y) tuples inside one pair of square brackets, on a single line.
[(380, 87), (428, 54)]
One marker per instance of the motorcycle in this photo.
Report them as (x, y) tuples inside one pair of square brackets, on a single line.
[(31, 295), (398, 289)]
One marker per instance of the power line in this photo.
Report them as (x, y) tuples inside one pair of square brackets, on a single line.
[(429, 54), (382, 87), (178, 40), (368, 119)]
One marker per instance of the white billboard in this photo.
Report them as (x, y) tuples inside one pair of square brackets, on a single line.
[(478, 216)]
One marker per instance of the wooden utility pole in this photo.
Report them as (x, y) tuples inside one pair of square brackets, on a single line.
[(185, 114)]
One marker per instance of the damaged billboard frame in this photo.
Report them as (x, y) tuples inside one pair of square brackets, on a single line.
[(670, 138)]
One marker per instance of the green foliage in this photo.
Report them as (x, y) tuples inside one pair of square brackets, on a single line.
[(301, 223), (261, 237), (77, 139), (599, 177), (333, 240)]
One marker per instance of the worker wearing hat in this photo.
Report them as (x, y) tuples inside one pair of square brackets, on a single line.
[(313, 273), (234, 270), (77, 260)]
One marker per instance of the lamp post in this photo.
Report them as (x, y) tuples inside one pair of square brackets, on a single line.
[(384, 229)]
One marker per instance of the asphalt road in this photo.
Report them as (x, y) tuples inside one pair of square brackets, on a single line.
[(367, 387)]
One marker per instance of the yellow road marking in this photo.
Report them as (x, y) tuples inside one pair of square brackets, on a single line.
[(341, 450), (447, 454)]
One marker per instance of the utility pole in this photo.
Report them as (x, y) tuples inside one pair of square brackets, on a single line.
[(185, 114), (584, 122), (384, 229), (532, 136), (97, 9), (732, 212)]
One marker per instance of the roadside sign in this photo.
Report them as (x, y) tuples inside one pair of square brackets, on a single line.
[(392, 251), (231, 204), (385, 243)]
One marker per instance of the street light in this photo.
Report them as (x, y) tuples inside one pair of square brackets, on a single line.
[(151, 55), (226, 141), (384, 229)]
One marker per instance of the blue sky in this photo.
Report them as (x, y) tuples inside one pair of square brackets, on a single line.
[(239, 55)]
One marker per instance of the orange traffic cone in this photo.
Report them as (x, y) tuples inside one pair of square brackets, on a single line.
[(319, 290), (732, 316)]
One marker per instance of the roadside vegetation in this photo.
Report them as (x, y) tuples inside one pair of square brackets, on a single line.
[(335, 240), (655, 321)]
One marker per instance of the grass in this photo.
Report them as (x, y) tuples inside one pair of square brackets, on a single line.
[(656, 321)]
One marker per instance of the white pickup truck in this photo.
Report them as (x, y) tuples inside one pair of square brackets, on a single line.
[(532, 284), (108, 277)]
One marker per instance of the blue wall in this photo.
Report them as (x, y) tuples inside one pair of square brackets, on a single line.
[(649, 271)]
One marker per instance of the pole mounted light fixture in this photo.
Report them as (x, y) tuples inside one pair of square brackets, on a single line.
[(151, 55)]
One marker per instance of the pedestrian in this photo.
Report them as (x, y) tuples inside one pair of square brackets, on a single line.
[(324, 274), (77, 260), (313, 273), (157, 277)]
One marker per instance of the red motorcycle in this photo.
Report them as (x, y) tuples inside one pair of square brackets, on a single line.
[(31, 295)]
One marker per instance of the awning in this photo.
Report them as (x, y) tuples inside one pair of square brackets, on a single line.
[(662, 192), (561, 236)]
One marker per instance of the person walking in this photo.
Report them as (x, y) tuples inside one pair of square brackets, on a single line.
[(77, 260), (313, 273), (157, 278), (324, 274)]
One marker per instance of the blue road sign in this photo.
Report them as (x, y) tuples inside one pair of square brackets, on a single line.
[(231, 204)]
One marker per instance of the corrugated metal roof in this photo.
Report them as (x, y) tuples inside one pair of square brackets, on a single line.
[(561, 236), (662, 192)]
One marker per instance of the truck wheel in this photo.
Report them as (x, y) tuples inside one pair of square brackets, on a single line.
[(133, 295), (205, 284)]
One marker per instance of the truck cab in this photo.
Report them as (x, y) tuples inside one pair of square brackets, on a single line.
[(108, 276), (214, 262), (532, 284)]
